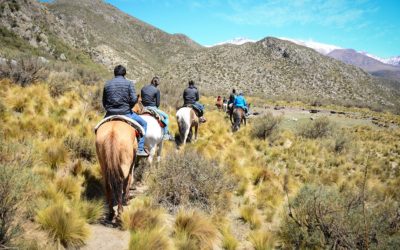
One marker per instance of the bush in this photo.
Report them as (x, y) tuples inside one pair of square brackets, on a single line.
[(318, 128), (24, 72), (321, 217), (81, 147), (266, 126), (249, 214), (341, 142), (15, 183), (189, 179)]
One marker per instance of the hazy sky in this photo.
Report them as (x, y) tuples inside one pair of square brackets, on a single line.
[(367, 25)]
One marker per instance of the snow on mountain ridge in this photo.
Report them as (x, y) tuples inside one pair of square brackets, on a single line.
[(319, 47), (235, 41)]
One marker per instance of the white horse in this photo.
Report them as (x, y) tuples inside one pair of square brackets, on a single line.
[(153, 139), (187, 120)]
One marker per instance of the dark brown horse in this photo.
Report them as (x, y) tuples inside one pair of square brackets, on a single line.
[(239, 116)]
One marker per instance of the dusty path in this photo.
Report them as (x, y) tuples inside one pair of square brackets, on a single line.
[(106, 238)]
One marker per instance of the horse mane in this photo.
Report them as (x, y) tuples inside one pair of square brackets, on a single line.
[(113, 173)]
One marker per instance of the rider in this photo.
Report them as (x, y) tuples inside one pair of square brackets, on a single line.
[(119, 97), (231, 99), (240, 102), (151, 99), (191, 97)]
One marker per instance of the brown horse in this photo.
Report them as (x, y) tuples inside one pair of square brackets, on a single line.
[(239, 116), (116, 146)]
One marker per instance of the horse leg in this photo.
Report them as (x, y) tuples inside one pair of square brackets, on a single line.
[(196, 128), (120, 189), (159, 149), (127, 185), (109, 198)]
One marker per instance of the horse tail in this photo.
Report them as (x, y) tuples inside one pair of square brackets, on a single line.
[(113, 173), (182, 128)]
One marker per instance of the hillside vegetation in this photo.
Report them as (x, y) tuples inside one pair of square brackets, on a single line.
[(306, 184)]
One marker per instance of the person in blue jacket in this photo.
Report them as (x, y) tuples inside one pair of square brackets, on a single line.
[(240, 102), (119, 97)]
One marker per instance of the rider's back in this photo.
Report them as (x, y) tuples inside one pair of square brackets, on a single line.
[(119, 96), (150, 96), (190, 95)]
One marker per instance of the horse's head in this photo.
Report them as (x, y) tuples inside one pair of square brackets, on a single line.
[(138, 108)]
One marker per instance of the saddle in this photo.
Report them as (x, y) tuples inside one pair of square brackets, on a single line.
[(197, 111), (140, 130), (153, 112)]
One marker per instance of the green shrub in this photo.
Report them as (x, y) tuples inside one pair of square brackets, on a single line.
[(16, 182), (318, 128), (188, 179), (266, 126), (322, 217)]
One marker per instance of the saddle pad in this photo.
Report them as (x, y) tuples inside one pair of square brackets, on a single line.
[(154, 113), (126, 119)]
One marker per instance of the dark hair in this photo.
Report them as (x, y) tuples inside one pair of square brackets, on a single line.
[(155, 80), (191, 83), (234, 91), (119, 71)]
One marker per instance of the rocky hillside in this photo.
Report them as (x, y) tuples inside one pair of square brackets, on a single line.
[(98, 32)]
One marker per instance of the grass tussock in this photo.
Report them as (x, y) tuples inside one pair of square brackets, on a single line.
[(81, 147), (194, 230), (229, 242), (151, 239), (70, 186), (138, 218), (261, 240), (249, 214), (64, 225), (91, 210)]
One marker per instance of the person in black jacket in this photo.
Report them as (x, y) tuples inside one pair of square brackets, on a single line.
[(151, 99), (191, 98), (119, 97)]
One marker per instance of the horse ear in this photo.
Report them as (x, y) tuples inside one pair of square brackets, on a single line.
[(139, 98)]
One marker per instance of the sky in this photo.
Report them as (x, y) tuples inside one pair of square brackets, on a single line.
[(372, 26)]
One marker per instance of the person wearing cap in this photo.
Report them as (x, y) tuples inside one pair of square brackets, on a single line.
[(191, 98), (119, 97), (151, 99)]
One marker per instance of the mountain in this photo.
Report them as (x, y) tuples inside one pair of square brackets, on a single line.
[(319, 47), (96, 33), (362, 60)]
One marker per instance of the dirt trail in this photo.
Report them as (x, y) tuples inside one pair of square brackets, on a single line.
[(105, 237)]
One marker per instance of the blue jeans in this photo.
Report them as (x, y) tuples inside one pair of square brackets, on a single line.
[(200, 107), (165, 118), (142, 123)]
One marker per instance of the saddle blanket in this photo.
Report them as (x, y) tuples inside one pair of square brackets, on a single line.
[(153, 112), (123, 118)]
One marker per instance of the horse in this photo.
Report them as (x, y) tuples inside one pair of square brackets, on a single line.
[(153, 140), (116, 146), (225, 107), (239, 117), (187, 120)]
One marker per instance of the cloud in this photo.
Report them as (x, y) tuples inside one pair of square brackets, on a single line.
[(300, 12)]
